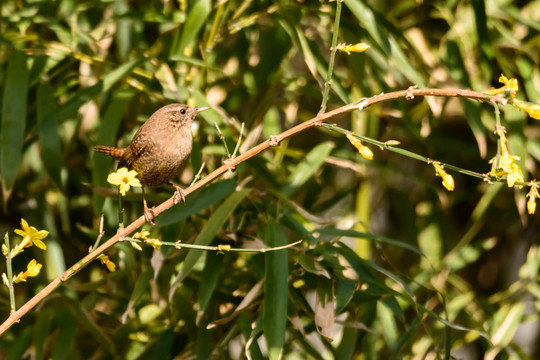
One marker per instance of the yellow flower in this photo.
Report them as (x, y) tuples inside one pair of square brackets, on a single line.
[(108, 263), (222, 248), (362, 149), (30, 235), (531, 205), (124, 179), (360, 47), (532, 109), (505, 162), (447, 179), (532, 195), (136, 245), (155, 243), (510, 86), (516, 175), (143, 235), (32, 269)]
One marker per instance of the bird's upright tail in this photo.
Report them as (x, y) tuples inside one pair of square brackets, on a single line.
[(115, 153)]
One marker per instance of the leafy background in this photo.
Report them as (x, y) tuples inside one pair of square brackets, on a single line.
[(392, 265)]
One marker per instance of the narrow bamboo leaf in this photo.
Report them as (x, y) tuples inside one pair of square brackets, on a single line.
[(124, 29), (511, 317), (345, 289), (47, 121), (388, 324), (333, 232), (307, 167), (209, 278), (198, 201), (164, 345), (314, 60), (405, 337), (348, 344), (141, 287), (253, 351), (42, 330), (13, 117), (473, 116), (107, 132), (19, 346), (361, 265), (373, 23), (71, 107), (64, 342), (85, 319), (366, 17), (324, 308), (194, 22), (208, 233), (484, 40), (275, 291)]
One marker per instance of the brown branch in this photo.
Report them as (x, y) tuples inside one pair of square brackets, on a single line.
[(230, 164)]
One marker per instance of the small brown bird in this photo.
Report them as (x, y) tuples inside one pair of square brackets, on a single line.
[(159, 150)]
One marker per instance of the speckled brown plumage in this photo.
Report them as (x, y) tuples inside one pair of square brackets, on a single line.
[(160, 148)]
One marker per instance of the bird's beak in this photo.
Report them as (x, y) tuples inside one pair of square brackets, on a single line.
[(202, 109)]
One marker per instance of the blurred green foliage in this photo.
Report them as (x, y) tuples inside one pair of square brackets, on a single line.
[(392, 264)]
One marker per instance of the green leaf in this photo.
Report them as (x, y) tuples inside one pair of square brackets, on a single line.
[(335, 232), (194, 22), (373, 22), (14, 102), (208, 233), (209, 278), (42, 329), (19, 346), (345, 289), (71, 107), (164, 345), (198, 201), (141, 287), (506, 321), (51, 153), (87, 320), (65, 339), (249, 336), (307, 167), (275, 291), (107, 132)]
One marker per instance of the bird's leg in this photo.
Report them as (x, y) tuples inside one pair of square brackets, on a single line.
[(148, 213), (178, 194)]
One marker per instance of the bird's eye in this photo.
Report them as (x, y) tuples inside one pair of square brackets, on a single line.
[(183, 111)]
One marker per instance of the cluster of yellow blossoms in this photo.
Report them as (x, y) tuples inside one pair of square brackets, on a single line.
[(504, 163), (31, 236)]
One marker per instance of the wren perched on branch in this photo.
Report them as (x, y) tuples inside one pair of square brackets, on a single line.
[(159, 150)]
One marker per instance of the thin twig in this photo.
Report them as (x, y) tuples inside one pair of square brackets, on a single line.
[(198, 175), (223, 139), (239, 141), (101, 233), (220, 248), (333, 49), (9, 270)]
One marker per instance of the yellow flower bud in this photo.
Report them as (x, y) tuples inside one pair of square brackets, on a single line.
[(362, 149), (359, 47), (531, 205), (532, 109), (447, 179)]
